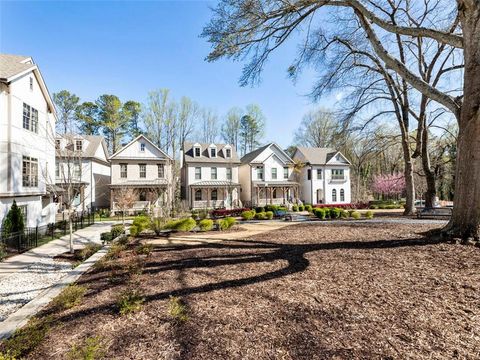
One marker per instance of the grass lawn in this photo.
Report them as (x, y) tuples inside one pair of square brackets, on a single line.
[(307, 291)]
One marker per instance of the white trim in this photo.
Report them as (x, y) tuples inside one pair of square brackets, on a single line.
[(135, 140)]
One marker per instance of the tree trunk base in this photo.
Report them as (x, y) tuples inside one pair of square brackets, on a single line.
[(456, 235)]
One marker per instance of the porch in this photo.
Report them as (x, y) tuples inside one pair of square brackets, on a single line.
[(279, 193), (214, 195), (134, 197)]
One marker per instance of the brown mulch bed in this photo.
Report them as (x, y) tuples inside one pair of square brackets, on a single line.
[(308, 291)]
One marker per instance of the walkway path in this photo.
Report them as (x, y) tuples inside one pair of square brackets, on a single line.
[(24, 276)]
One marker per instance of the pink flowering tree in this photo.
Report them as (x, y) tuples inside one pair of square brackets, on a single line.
[(390, 185)]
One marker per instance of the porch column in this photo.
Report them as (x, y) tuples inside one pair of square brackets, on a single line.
[(111, 200), (208, 197), (271, 195), (258, 196)]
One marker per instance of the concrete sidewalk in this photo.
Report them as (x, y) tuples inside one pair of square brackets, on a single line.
[(24, 277), (53, 248)]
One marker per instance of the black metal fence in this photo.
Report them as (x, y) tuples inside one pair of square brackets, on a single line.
[(34, 236)]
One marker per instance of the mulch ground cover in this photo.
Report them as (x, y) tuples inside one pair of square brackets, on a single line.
[(307, 291)]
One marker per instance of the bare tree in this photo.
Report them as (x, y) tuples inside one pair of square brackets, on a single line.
[(231, 127), (209, 126), (125, 198), (244, 27)]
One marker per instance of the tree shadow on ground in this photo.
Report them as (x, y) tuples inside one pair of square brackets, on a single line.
[(254, 251)]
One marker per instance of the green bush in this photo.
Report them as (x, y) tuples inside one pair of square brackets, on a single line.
[(373, 207), (231, 221), (271, 207), (117, 230), (261, 216), (3, 252), (177, 309), (259, 209), (130, 301), (344, 214), (89, 250), (320, 213), (308, 208), (205, 225), (71, 296), (157, 225), (142, 222), (334, 213), (356, 215), (92, 348), (13, 221), (269, 215), (144, 249), (301, 208), (133, 230), (114, 251), (248, 215), (294, 208), (106, 237), (369, 214), (185, 224), (27, 338), (225, 224)]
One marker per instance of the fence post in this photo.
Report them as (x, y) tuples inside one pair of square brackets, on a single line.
[(18, 242), (53, 230), (36, 236)]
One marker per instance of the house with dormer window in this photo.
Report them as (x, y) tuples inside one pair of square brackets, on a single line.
[(145, 169), (266, 176), (324, 177), (209, 176), (82, 163), (27, 148)]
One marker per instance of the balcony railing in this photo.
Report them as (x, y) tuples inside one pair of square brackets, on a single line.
[(338, 178)]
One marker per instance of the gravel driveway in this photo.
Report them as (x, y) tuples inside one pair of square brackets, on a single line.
[(23, 277)]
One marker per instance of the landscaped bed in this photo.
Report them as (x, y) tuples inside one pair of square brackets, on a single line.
[(308, 291)]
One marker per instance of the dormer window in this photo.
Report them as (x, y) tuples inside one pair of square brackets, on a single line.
[(228, 153), (78, 145), (196, 151), (142, 147), (213, 152), (57, 144)]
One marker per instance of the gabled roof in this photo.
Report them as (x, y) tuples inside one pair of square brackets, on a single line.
[(94, 142), (251, 156), (204, 156), (319, 156), (14, 66), (141, 136)]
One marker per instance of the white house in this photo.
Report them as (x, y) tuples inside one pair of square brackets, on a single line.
[(27, 149), (209, 175), (142, 166), (325, 176), (82, 161), (267, 177)]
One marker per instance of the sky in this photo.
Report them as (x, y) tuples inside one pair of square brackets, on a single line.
[(129, 48)]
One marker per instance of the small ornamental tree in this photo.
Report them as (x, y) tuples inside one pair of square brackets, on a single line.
[(13, 221), (391, 185)]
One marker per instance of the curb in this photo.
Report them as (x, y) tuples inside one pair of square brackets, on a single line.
[(20, 318)]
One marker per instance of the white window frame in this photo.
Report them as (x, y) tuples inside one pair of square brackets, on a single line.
[(229, 173), (274, 174), (319, 174), (260, 172), (142, 147), (122, 172), (285, 172), (213, 173), (29, 171), (198, 173), (161, 171), (142, 167)]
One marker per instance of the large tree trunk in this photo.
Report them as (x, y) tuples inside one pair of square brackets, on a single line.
[(409, 182), (431, 192), (465, 222)]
